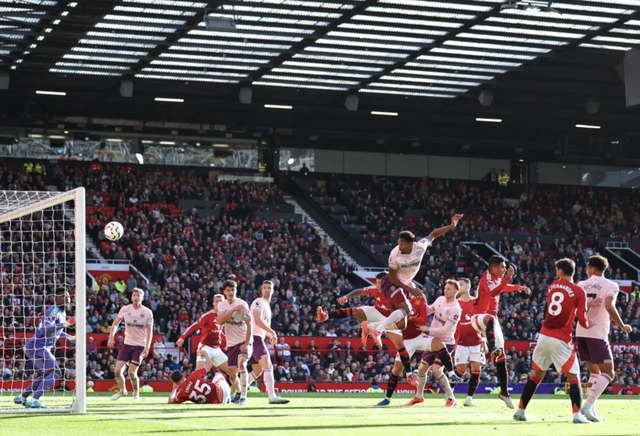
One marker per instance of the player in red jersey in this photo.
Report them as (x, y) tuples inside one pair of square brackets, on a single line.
[(555, 344), (211, 343), (197, 389), (484, 316), (376, 313), (470, 346)]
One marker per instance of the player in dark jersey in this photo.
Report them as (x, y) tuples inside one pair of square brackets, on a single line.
[(197, 389), (555, 344)]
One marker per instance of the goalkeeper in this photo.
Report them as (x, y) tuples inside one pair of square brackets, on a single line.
[(38, 349)]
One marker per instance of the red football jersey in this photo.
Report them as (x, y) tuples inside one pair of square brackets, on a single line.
[(198, 390), (382, 303), (419, 316), (563, 301), (209, 328), (466, 335), (489, 290)]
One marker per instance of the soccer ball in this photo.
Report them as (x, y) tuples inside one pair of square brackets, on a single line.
[(90, 383), (113, 231)]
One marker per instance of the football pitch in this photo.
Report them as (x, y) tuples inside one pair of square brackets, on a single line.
[(326, 414)]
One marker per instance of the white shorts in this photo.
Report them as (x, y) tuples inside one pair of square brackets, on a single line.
[(220, 380), (466, 354), (421, 343), (551, 350), (374, 315), (216, 355)]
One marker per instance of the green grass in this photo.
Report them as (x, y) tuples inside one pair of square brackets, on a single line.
[(323, 414)]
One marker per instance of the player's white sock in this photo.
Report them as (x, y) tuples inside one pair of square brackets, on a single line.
[(597, 389), (251, 378), (270, 383), (444, 382), (242, 376), (374, 326), (590, 386), (422, 379), (395, 316)]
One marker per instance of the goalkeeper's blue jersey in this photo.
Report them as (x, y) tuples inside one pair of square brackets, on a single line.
[(49, 330)]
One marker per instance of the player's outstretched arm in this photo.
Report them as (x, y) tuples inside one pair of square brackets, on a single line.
[(615, 316), (192, 329), (353, 294), (442, 230)]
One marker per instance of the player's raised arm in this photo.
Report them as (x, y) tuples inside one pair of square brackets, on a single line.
[(504, 286), (442, 230)]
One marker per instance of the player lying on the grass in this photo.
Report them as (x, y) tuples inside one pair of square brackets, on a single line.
[(555, 344), (470, 345), (593, 343), (38, 350), (212, 342), (375, 313), (446, 315), (235, 315), (260, 359), (197, 389), (138, 333), (484, 316)]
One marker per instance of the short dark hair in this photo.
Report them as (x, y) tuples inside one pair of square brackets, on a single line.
[(229, 284), (176, 376), (598, 262), (408, 236), (496, 260), (464, 280), (567, 266), (381, 275), (61, 290)]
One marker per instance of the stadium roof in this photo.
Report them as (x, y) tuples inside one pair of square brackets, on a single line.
[(541, 60)]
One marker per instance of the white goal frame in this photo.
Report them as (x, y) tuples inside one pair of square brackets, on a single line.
[(78, 196)]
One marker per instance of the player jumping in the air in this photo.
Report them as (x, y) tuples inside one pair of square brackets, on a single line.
[(375, 313), (555, 345), (212, 341), (197, 389), (593, 343), (446, 315), (470, 346), (138, 332), (260, 360), (484, 316), (404, 264), (38, 349), (234, 313)]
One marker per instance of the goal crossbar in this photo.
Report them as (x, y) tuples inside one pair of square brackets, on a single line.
[(26, 203)]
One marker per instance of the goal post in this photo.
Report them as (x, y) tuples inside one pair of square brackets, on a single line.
[(42, 248)]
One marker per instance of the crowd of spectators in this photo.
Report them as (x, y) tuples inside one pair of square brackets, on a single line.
[(185, 256)]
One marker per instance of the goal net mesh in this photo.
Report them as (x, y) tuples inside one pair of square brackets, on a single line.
[(37, 258)]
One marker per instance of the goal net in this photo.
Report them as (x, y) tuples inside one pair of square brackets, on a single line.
[(42, 255)]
